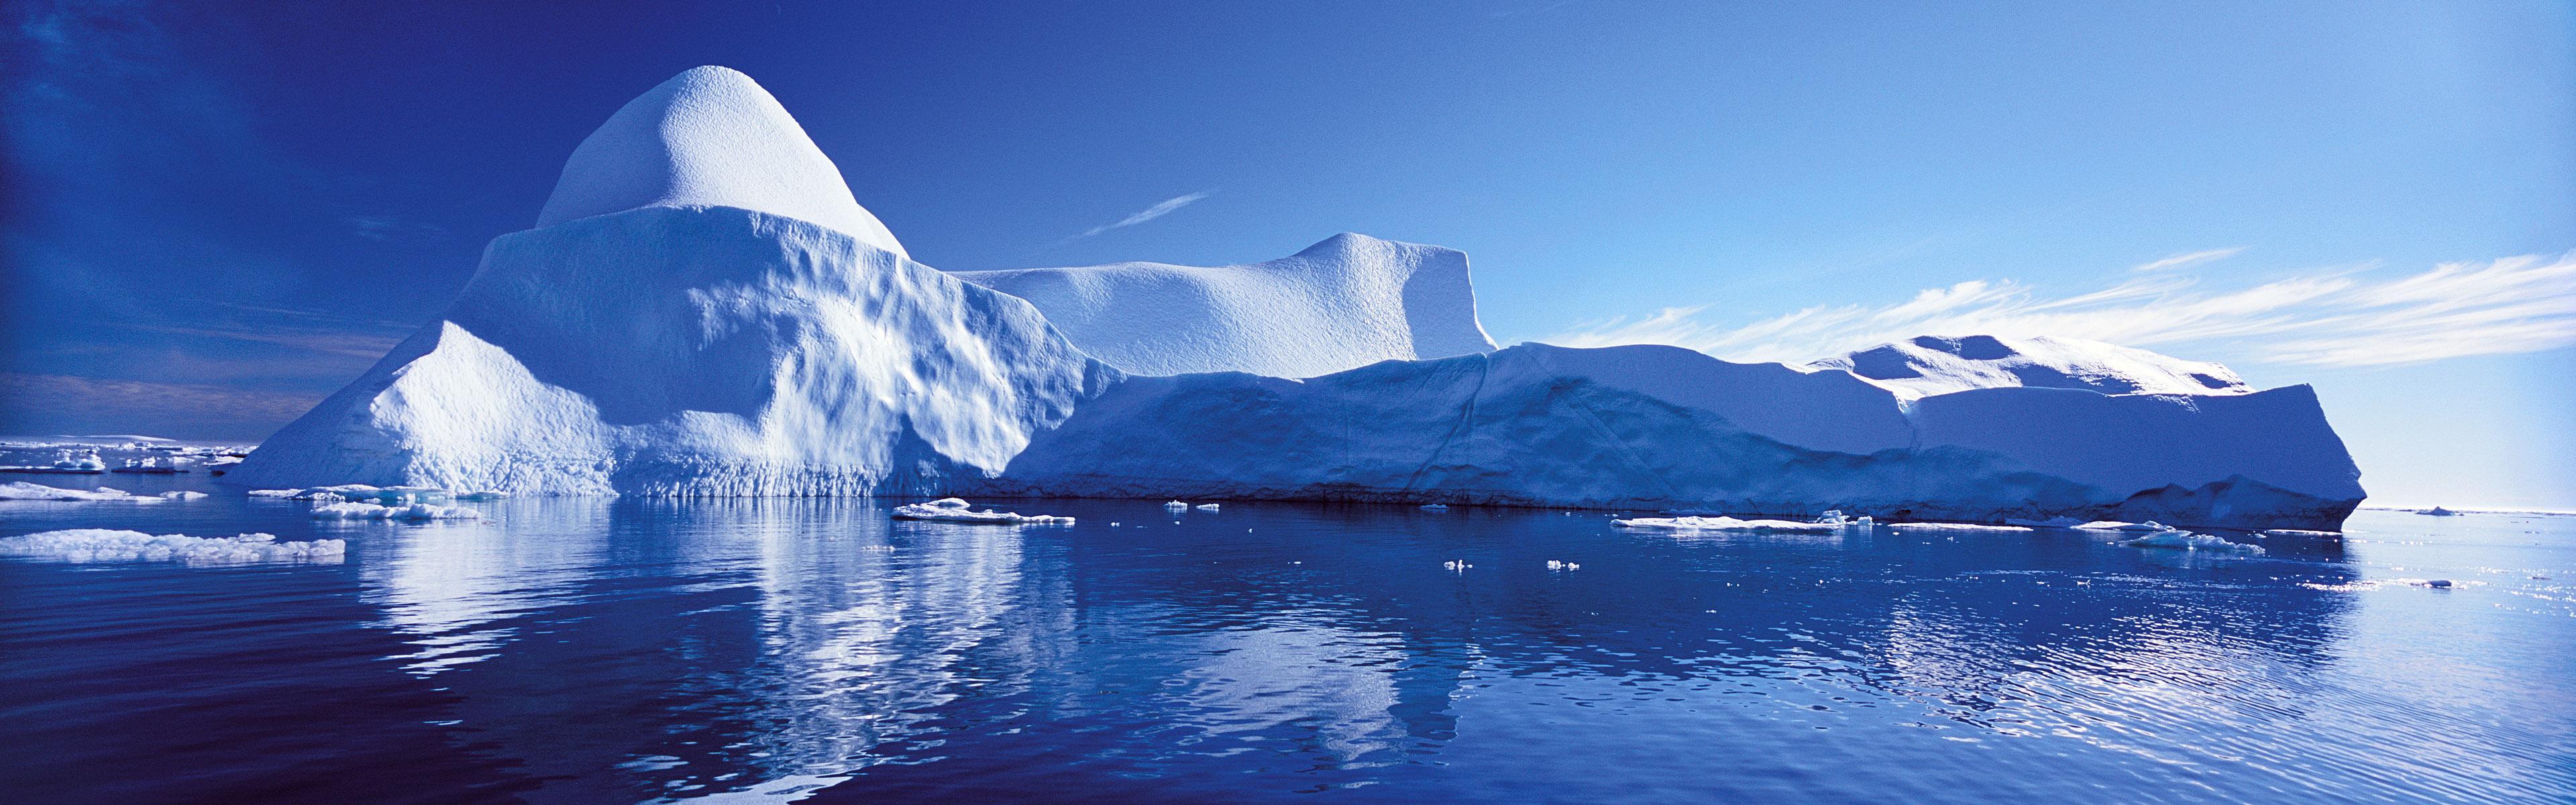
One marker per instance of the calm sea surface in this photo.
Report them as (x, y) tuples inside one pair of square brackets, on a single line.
[(770, 651)]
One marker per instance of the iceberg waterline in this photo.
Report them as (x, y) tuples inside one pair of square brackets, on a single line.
[(699, 314)]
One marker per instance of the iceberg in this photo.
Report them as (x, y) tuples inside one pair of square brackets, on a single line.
[(705, 310), (1347, 302), (105, 545), (1722, 523)]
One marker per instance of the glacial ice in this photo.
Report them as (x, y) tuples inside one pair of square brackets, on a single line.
[(1346, 302), (1933, 365), (704, 311), (709, 137), (955, 510), (104, 545)]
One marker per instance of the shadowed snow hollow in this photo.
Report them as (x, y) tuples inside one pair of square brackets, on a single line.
[(1930, 365), (1349, 301), (709, 137)]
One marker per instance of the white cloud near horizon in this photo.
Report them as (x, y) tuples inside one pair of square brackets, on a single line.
[(2189, 259), (1149, 213), (2341, 317)]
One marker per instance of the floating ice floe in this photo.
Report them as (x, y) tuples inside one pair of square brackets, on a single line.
[(2001, 529), (1177, 506), (105, 545), (957, 510), (1435, 507), (20, 490), (1693, 523), (1456, 565), (1206, 507), (413, 511), (2185, 540), (2149, 526), (1557, 565), (379, 495)]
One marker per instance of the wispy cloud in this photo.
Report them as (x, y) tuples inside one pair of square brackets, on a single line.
[(2339, 317), (1147, 214), (2189, 259)]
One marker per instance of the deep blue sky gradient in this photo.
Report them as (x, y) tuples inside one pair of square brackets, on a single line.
[(216, 213)]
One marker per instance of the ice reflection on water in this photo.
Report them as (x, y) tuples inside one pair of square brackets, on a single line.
[(597, 650)]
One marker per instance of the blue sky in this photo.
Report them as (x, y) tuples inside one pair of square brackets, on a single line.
[(214, 215)]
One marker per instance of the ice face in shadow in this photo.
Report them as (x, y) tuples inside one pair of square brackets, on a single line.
[(1346, 302), (709, 137), (1663, 427)]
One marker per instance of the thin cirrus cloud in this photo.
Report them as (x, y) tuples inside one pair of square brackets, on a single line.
[(1148, 213), (2344, 317)]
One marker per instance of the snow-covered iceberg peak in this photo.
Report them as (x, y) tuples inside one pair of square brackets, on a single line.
[(1349, 301), (709, 137), (1932, 364)]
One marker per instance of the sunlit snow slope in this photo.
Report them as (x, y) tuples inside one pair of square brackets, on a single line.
[(1349, 301)]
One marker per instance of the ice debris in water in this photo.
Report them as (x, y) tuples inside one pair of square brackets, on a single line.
[(1456, 565), (2185, 540), (1721, 523), (957, 510), (414, 511), (106, 545), (1176, 506), (21, 490), (1557, 565), (1206, 507), (1435, 507)]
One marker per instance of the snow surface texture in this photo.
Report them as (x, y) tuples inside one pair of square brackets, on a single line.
[(103, 545), (1930, 365), (1349, 301), (1665, 428), (709, 137), (954, 510), (715, 351)]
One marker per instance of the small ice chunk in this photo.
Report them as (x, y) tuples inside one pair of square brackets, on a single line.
[(2185, 540), (1557, 565), (1176, 506), (957, 510), (1435, 507), (1206, 507), (105, 545), (182, 494), (1456, 565), (276, 493)]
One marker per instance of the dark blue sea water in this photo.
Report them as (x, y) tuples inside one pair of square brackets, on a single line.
[(634, 650)]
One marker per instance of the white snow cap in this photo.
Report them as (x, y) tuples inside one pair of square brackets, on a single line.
[(1932, 364), (709, 137)]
